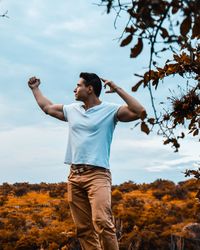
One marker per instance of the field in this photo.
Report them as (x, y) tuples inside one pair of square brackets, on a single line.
[(148, 216)]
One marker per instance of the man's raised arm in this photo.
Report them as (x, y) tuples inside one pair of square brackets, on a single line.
[(55, 110), (130, 112)]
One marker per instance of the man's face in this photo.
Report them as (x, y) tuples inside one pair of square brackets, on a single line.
[(81, 90)]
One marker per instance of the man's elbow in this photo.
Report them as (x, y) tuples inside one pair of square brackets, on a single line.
[(142, 114), (47, 109)]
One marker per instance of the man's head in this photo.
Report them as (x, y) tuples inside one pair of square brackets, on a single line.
[(89, 84), (92, 80)]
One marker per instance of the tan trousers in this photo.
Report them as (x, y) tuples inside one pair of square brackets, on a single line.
[(89, 196)]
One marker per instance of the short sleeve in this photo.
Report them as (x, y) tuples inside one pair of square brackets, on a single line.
[(65, 108), (68, 110), (117, 107), (114, 107)]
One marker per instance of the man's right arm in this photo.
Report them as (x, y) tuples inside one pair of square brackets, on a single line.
[(55, 110)]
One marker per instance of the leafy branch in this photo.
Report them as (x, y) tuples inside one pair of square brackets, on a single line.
[(171, 26)]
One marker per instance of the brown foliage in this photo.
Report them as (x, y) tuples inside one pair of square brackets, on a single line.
[(166, 26), (146, 216)]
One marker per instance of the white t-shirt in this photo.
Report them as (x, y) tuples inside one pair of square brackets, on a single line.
[(90, 133)]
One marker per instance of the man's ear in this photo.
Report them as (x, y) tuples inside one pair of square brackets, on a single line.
[(90, 88)]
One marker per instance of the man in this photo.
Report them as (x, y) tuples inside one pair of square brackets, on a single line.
[(91, 126)]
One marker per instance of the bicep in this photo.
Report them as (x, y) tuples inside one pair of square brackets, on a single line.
[(55, 110), (124, 114)]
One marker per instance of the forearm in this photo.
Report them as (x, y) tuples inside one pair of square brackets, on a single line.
[(42, 101), (131, 102)]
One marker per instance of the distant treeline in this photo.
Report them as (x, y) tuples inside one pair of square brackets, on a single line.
[(19, 189), (155, 216)]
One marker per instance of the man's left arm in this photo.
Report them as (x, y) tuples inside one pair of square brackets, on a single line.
[(126, 113)]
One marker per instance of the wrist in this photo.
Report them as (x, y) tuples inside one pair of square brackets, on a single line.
[(35, 89), (116, 88)]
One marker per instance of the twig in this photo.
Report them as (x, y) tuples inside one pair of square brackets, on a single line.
[(5, 14), (153, 41)]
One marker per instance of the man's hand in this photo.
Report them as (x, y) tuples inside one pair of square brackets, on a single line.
[(111, 85), (33, 82)]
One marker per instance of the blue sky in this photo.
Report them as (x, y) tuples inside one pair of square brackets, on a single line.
[(55, 41)]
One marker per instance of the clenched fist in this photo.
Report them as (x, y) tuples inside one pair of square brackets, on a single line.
[(33, 82)]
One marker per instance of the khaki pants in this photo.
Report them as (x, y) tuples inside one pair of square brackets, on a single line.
[(89, 196)]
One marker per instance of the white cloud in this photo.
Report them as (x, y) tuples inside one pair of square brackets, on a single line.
[(35, 10), (136, 151), (74, 26), (26, 151), (6, 109), (87, 44), (29, 150), (10, 68), (197, 164), (158, 168)]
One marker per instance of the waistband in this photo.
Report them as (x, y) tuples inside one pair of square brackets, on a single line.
[(80, 168)]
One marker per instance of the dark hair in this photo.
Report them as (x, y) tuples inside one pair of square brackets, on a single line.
[(93, 80)]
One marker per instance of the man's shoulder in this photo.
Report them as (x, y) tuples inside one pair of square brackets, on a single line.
[(111, 105), (71, 105)]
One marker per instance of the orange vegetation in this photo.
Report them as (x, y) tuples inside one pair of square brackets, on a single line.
[(147, 216)]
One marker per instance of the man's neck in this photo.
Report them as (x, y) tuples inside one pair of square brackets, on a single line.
[(91, 103)]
